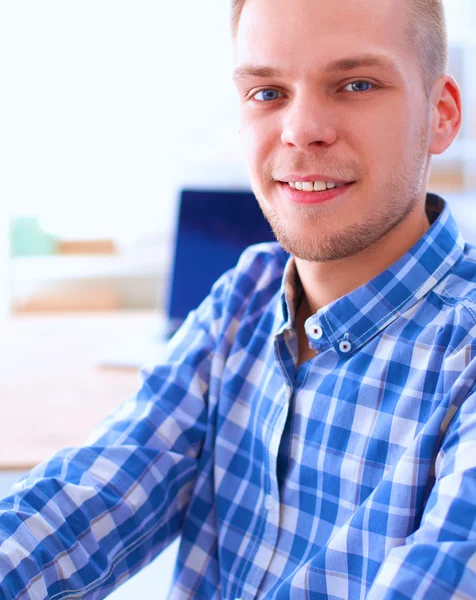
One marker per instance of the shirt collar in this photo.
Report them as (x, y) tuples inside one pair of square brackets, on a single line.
[(351, 321)]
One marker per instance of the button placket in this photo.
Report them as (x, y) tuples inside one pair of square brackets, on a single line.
[(269, 502)]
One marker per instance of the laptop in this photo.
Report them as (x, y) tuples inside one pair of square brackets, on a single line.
[(214, 226)]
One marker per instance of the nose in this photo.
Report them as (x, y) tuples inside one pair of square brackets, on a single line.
[(308, 123)]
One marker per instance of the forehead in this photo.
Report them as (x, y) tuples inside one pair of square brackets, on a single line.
[(292, 34)]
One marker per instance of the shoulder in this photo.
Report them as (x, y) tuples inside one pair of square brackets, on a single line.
[(259, 272), (451, 312), (458, 290), (262, 262), (246, 288)]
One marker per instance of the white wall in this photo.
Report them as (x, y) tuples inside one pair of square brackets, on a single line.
[(109, 105)]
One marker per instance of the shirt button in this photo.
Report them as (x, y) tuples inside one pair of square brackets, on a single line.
[(316, 332), (345, 347), (269, 502)]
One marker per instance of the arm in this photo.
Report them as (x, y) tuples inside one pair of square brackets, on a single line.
[(88, 518), (438, 561)]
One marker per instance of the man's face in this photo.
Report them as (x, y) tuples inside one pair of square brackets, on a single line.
[(330, 92)]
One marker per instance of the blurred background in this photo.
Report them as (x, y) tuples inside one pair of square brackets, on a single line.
[(108, 109)]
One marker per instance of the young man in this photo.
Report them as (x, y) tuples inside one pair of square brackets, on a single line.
[(312, 433)]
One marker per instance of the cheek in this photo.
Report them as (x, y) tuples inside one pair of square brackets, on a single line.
[(259, 133), (381, 143), (255, 143)]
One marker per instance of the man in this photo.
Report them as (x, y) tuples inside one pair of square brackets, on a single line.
[(312, 432)]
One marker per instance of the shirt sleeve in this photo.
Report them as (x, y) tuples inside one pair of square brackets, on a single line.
[(438, 561), (82, 522)]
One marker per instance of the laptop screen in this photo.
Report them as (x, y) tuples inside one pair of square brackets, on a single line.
[(214, 227)]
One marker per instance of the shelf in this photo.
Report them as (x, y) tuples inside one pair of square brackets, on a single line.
[(144, 263)]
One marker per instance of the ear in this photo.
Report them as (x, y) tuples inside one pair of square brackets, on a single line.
[(446, 114)]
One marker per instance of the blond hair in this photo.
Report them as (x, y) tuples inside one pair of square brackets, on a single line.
[(427, 35)]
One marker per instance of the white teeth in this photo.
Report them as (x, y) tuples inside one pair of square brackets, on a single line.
[(314, 186), (319, 186)]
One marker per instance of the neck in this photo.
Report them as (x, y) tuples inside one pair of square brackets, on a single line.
[(325, 282)]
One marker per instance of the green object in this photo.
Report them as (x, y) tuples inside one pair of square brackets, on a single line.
[(27, 238)]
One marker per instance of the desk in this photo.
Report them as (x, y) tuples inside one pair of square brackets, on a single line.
[(52, 393)]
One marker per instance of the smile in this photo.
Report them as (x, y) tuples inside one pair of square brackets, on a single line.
[(314, 186), (313, 192)]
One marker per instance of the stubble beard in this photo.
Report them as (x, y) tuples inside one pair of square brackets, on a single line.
[(400, 196)]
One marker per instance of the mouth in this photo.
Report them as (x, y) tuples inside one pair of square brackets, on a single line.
[(313, 191)]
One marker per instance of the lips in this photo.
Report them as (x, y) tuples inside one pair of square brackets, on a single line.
[(314, 177), (306, 196)]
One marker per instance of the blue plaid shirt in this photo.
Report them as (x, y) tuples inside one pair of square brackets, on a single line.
[(350, 476)]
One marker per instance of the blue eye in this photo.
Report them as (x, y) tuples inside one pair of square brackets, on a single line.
[(358, 86), (267, 95)]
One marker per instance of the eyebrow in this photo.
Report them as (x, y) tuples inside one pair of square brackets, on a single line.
[(340, 65), (251, 71), (365, 60)]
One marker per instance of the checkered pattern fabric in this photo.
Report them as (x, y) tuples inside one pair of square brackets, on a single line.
[(350, 476)]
